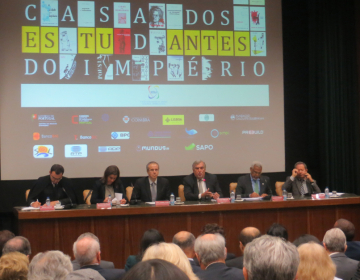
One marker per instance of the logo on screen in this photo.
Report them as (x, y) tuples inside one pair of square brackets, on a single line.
[(191, 131), (153, 92), (245, 118), (105, 117), (159, 134), (75, 151), (44, 120), (204, 147), (81, 119), (215, 133), (85, 137), (120, 135), (173, 120), (140, 148), (109, 149), (126, 119), (206, 117), (34, 116), (36, 135), (252, 132), (43, 151), (190, 147)]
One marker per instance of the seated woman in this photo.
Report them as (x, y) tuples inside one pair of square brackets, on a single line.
[(109, 184)]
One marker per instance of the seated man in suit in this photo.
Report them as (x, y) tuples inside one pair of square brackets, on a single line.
[(151, 188), (87, 253), (186, 241), (335, 244), (247, 235), (18, 244), (254, 184), (270, 257), (54, 186), (200, 184), (210, 251), (353, 247), (300, 182)]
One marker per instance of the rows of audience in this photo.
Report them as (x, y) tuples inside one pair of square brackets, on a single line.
[(268, 256)]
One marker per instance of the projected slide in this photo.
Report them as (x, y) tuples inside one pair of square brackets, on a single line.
[(91, 83)]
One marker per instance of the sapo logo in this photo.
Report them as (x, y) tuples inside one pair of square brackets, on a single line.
[(204, 147)]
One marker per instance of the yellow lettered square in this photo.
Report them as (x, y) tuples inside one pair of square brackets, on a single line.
[(49, 39), (226, 43), (104, 41), (209, 42), (30, 39), (242, 43), (86, 40), (192, 42), (175, 42)]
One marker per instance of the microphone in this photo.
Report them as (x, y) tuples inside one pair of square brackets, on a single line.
[(71, 203)]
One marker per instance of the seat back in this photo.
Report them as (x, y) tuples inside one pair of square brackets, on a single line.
[(27, 194), (181, 192), (232, 187), (129, 191), (87, 196), (278, 188)]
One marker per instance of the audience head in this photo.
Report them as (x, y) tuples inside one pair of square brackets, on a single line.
[(171, 253), (213, 228), (306, 238), (87, 249), (111, 174), (52, 265), (247, 235), (269, 257), (186, 241), (5, 235), (278, 231), (13, 266), (315, 263), (210, 248), (155, 270), (84, 274), (150, 237), (347, 227), (335, 241), (18, 244)]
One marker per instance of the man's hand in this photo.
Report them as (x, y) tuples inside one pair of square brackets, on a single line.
[(123, 201), (216, 195), (52, 203), (308, 176), (294, 172), (36, 204), (264, 194), (254, 194), (207, 193), (106, 200)]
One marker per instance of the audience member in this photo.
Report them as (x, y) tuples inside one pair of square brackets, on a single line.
[(5, 235), (247, 235), (335, 244), (87, 252), (171, 253), (155, 270), (306, 238), (52, 265), (14, 266), (84, 274), (18, 244), (150, 237), (211, 252), (278, 231), (269, 257), (353, 247), (315, 263), (186, 241)]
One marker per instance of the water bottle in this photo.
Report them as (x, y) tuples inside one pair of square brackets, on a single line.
[(172, 199), (327, 195), (110, 200), (285, 195), (232, 197), (47, 201)]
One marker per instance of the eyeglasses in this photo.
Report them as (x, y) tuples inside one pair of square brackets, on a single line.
[(55, 179)]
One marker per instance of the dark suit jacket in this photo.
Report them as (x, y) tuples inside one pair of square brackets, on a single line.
[(37, 191), (195, 267), (219, 271), (291, 186), (244, 186), (345, 267), (191, 190), (98, 194), (142, 189), (108, 274), (103, 264), (131, 261), (353, 250), (237, 262)]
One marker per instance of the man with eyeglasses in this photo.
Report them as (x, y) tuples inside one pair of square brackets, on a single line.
[(254, 184), (54, 186)]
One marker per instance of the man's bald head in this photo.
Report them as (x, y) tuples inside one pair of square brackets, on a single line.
[(87, 251), (248, 234), (186, 241), (17, 244)]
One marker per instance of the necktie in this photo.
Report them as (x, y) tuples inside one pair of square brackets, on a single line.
[(153, 191), (303, 187), (257, 186)]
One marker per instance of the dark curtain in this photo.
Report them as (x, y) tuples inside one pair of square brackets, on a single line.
[(333, 97)]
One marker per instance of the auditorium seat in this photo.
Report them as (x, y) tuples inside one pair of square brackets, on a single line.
[(278, 188), (129, 191), (181, 192), (27, 194), (87, 196)]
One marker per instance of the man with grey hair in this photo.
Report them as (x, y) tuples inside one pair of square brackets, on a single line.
[(335, 244), (201, 185), (87, 253), (50, 265), (254, 184), (270, 257), (300, 182), (152, 187), (211, 252), (17, 244), (186, 241)]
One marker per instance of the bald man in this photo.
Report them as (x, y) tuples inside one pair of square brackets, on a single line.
[(247, 235), (186, 241), (353, 247), (17, 244)]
